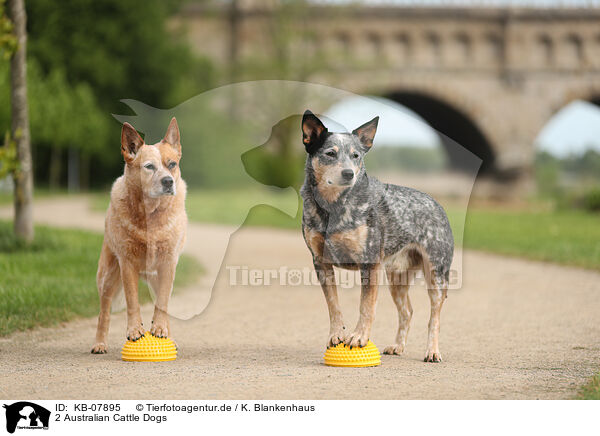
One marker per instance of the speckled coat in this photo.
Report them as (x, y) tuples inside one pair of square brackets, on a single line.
[(351, 220), (395, 217)]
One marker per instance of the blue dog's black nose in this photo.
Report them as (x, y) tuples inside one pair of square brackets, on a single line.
[(347, 174), (167, 182)]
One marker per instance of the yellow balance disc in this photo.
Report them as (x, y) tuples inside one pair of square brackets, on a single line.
[(342, 355), (149, 349)]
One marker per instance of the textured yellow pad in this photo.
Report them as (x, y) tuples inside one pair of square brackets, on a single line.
[(149, 349), (342, 355)]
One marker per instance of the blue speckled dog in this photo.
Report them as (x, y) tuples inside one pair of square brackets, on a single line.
[(354, 221)]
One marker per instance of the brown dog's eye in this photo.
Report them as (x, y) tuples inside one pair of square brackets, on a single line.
[(150, 167), (172, 165)]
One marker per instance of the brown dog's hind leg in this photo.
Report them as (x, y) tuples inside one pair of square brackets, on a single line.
[(437, 295), (399, 289), (108, 280), (337, 330), (368, 299)]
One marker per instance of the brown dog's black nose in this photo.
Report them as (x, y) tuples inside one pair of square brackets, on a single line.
[(167, 182), (347, 174)]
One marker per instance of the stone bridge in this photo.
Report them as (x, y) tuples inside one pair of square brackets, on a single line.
[(489, 78)]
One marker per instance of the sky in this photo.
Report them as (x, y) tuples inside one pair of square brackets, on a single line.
[(397, 124), (572, 130)]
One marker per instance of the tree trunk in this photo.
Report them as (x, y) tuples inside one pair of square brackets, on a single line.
[(54, 168), (233, 58), (73, 170), (84, 171), (23, 177)]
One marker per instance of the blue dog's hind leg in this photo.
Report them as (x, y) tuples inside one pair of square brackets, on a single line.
[(399, 286)]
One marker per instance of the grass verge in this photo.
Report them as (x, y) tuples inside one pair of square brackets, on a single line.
[(54, 279), (6, 197), (591, 391), (207, 206), (565, 237)]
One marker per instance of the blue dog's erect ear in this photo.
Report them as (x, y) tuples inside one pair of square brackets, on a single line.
[(366, 132), (314, 132)]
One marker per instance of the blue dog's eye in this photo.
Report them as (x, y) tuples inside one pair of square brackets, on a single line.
[(150, 166), (172, 165), (355, 156), (330, 153)]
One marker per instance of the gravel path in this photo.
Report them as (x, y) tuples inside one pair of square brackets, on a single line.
[(516, 330)]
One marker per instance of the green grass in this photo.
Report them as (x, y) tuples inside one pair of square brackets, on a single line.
[(207, 206), (591, 391), (6, 197), (566, 237), (54, 279)]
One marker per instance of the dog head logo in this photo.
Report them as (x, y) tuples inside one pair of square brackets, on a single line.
[(26, 415), (245, 135)]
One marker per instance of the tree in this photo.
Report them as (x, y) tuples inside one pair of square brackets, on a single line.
[(118, 49), (65, 117), (62, 117), (123, 49), (23, 175), (8, 43)]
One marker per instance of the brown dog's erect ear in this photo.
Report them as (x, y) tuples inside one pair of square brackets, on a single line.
[(366, 132), (131, 142), (313, 132), (172, 135)]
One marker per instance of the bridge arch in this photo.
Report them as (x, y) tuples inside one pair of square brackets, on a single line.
[(560, 117), (595, 99), (590, 94), (454, 123)]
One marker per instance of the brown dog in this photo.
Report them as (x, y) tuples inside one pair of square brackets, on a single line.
[(144, 232)]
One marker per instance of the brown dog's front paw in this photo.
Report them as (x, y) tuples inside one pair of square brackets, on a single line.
[(357, 339), (336, 337), (159, 330), (136, 332), (434, 357), (396, 349), (99, 348)]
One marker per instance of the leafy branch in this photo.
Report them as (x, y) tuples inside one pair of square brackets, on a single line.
[(9, 164), (8, 41)]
